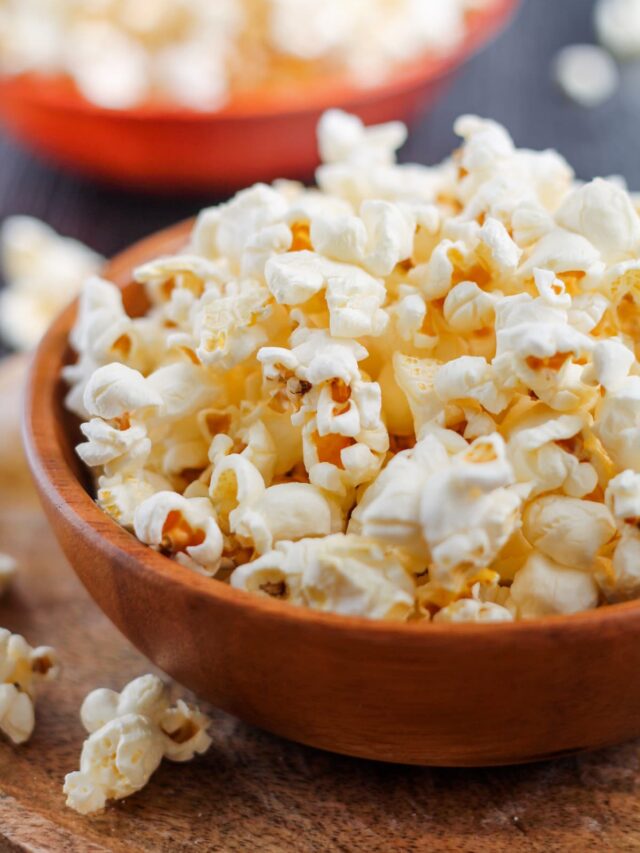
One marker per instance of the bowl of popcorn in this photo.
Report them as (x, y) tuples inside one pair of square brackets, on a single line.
[(192, 94), (359, 462)]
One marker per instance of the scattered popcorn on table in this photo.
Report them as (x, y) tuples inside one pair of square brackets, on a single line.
[(43, 273), (8, 569), (199, 53), (411, 393), (129, 735), (586, 74), (22, 668)]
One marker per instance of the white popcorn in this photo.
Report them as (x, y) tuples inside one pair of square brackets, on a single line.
[(470, 610), (543, 588), (471, 378), (236, 485), (570, 531), (146, 695), (186, 527), (612, 361), (538, 457), (338, 574), (467, 512), (409, 393), (184, 732), (603, 213), (623, 497), (378, 240), (618, 26), (586, 74), (8, 569), (43, 273), (17, 717), (468, 308), (115, 390), (121, 494), (390, 508), (343, 137), (354, 297), (130, 732), (503, 251), (619, 579), (618, 423), (116, 761), (289, 511), (22, 668)]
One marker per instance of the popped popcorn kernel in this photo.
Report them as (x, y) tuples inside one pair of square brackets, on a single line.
[(129, 734), (22, 669), (411, 393)]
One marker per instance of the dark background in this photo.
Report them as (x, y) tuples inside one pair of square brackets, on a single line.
[(510, 82)]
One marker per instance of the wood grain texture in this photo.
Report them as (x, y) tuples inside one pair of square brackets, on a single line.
[(252, 791), (403, 692)]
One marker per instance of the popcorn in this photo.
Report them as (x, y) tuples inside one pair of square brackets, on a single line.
[(586, 74), (43, 273), (468, 513), (8, 569), (470, 610), (340, 574), (185, 527), (544, 588), (288, 511), (116, 391), (617, 25), (390, 508), (603, 213), (22, 668), (618, 423), (116, 761), (570, 531), (129, 734), (354, 298), (199, 55), (409, 393), (537, 452)]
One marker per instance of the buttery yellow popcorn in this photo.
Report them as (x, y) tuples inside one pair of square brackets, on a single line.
[(411, 393)]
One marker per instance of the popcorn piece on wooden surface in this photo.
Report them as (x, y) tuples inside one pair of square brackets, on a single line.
[(22, 669), (129, 734)]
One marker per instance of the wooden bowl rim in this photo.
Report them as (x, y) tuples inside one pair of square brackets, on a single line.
[(56, 479), (55, 91)]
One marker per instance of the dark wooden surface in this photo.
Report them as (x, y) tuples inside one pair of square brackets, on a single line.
[(252, 792)]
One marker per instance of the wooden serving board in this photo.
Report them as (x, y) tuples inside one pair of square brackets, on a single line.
[(252, 791)]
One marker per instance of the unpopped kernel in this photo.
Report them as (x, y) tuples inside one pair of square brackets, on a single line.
[(411, 393)]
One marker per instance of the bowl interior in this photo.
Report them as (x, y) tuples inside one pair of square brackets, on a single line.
[(317, 93), (51, 434)]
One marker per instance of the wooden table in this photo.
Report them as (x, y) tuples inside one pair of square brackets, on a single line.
[(254, 792)]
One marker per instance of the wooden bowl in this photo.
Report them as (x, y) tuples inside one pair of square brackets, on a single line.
[(418, 693), (261, 136)]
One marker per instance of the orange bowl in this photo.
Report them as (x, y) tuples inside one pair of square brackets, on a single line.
[(259, 136), (421, 693)]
